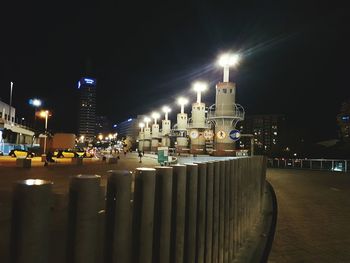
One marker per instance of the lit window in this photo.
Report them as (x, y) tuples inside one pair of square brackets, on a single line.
[(274, 133)]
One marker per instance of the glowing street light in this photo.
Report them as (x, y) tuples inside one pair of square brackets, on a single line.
[(141, 125), (147, 120), (45, 114), (226, 61), (100, 137), (182, 102), (166, 111), (35, 102), (199, 87), (155, 116)]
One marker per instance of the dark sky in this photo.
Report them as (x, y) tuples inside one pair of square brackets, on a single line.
[(295, 56)]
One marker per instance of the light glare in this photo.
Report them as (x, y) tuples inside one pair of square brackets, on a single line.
[(182, 101), (227, 60)]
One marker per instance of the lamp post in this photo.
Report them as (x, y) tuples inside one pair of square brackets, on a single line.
[(182, 102), (166, 111), (141, 125), (226, 61), (199, 87), (45, 114), (155, 116), (147, 120), (11, 89)]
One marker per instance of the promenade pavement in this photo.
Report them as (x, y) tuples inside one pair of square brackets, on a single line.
[(313, 224)]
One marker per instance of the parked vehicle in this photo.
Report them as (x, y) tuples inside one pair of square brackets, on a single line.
[(21, 153), (66, 153)]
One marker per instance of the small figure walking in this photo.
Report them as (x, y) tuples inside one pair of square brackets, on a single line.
[(140, 156)]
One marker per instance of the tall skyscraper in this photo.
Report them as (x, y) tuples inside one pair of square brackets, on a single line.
[(87, 108)]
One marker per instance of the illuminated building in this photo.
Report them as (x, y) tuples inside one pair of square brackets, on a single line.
[(268, 131), (343, 121), (87, 108)]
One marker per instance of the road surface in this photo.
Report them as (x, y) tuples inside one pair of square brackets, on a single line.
[(313, 224)]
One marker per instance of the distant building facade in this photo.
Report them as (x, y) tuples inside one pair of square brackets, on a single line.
[(343, 121), (87, 108), (103, 125), (12, 134), (268, 131), (129, 127)]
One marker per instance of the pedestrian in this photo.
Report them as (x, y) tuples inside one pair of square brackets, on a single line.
[(140, 156)]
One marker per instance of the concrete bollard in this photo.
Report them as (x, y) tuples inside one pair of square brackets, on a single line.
[(222, 212), (232, 207), (30, 221), (216, 211), (118, 217), (191, 212), (143, 213), (162, 214), (178, 214), (84, 198), (23, 162), (209, 213), (201, 211), (227, 211)]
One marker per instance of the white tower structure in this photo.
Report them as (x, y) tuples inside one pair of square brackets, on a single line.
[(147, 135), (198, 123), (166, 126), (155, 132), (225, 113), (181, 127), (141, 136)]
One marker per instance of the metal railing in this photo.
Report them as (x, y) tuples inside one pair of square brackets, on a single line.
[(335, 165), (226, 111), (198, 212)]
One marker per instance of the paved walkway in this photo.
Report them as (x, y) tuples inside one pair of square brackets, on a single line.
[(313, 224)]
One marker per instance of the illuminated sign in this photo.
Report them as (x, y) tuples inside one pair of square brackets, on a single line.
[(130, 119), (86, 81)]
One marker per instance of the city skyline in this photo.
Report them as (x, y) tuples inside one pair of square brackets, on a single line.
[(294, 61)]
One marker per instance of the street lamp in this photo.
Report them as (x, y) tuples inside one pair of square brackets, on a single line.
[(199, 87), (226, 61), (141, 125), (147, 120), (100, 137), (182, 102), (45, 114), (155, 116), (166, 111)]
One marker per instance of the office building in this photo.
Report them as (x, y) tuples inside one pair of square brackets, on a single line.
[(268, 131), (87, 108)]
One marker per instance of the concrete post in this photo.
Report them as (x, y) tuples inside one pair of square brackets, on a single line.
[(118, 217), (209, 213), (30, 221), (178, 214), (191, 212), (232, 207), (201, 211), (143, 213), (227, 211), (216, 211), (162, 214), (222, 211), (83, 208)]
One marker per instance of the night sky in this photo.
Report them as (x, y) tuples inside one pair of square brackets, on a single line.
[(295, 56)]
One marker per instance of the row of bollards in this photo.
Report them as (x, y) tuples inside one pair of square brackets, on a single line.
[(197, 212)]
